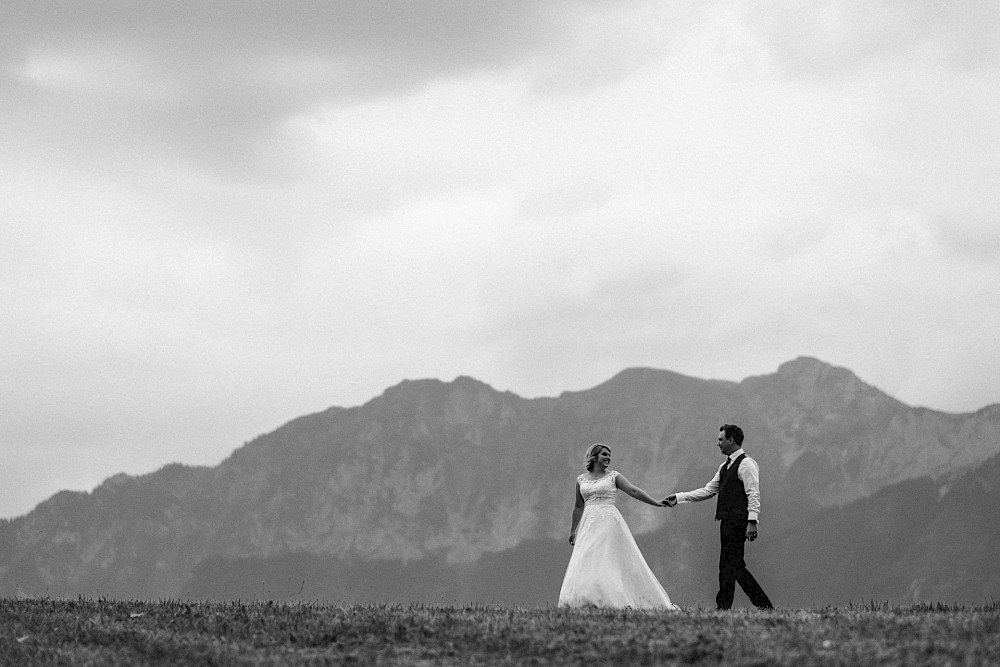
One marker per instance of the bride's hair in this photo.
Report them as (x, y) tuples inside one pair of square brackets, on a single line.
[(592, 453)]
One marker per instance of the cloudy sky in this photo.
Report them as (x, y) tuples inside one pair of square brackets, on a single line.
[(220, 215)]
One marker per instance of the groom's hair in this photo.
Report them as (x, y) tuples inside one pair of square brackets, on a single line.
[(733, 431), (592, 453)]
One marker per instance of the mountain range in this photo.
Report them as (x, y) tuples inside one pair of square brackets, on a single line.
[(455, 492)]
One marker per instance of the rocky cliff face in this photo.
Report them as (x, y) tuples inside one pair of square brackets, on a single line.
[(457, 470), (842, 439)]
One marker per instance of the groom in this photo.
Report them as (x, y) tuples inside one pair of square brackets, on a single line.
[(738, 486)]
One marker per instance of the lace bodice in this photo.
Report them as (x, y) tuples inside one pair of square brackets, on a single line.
[(599, 491)]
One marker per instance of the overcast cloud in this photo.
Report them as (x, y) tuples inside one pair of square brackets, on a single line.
[(218, 216)]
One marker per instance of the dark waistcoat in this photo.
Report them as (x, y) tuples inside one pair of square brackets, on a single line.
[(732, 501)]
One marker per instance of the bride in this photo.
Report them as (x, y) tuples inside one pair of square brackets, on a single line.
[(606, 568)]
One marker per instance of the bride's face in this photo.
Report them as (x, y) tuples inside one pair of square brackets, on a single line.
[(604, 457)]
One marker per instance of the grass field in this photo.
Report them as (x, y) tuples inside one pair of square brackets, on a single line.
[(113, 632)]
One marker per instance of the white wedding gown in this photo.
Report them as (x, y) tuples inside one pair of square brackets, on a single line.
[(606, 568)]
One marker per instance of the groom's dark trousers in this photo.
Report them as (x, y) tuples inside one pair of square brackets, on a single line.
[(732, 514), (733, 569)]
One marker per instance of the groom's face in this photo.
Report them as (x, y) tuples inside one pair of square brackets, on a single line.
[(726, 445)]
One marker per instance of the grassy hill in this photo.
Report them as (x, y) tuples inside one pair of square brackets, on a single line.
[(180, 633)]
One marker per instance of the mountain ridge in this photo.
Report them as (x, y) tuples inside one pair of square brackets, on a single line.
[(456, 471)]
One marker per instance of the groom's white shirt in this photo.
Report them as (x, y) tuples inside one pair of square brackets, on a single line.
[(748, 473)]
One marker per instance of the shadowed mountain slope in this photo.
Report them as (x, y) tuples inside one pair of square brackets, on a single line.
[(919, 540)]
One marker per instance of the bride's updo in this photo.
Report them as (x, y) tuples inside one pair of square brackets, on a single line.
[(592, 452)]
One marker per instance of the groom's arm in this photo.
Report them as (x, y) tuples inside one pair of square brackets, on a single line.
[(704, 493), (750, 476)]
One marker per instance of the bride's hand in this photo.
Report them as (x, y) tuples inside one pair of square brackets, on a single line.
[(572, 540)]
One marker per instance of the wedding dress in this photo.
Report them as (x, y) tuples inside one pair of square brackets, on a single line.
[(606, 568)]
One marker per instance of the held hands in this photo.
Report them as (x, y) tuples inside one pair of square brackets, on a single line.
[(670, 500), (751, 532), (572, 540)]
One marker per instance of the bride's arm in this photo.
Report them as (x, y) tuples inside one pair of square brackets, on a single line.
[(577, 513), (634, 491)]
